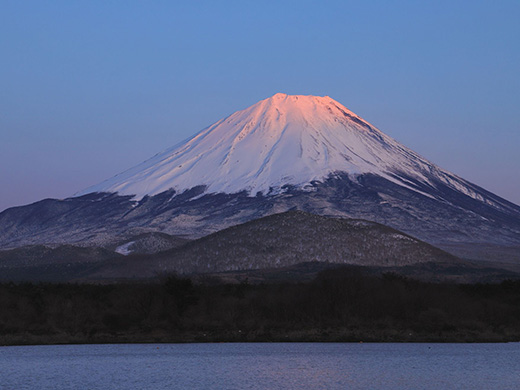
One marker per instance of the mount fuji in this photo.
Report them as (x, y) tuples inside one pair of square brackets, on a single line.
[(283, 153)]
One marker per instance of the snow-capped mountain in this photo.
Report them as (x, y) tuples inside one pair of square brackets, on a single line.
[(283, 140), (283, 153)]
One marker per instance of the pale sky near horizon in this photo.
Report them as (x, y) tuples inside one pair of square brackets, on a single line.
[(91, 88)]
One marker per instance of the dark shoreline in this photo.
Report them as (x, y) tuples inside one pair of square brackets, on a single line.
[(33, 340)]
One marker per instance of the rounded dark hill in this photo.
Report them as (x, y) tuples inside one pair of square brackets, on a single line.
[(283, 240)]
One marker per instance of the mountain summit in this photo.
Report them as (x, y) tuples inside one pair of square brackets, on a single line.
[(283, 140)]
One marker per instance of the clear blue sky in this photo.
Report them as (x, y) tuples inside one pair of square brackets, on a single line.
[(91, 88)]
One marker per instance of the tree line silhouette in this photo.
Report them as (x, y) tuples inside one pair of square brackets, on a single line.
[(342, 304)]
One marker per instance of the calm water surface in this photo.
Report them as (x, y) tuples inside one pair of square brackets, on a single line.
[(261, 366)]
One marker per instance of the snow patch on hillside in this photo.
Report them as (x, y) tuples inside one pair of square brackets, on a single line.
[(125, 249)]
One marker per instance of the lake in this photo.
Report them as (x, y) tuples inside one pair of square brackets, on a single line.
[(261, 366)]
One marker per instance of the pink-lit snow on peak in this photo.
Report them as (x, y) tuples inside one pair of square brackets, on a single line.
[(296, 108)]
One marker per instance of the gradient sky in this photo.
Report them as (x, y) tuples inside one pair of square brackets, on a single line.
[(91, 88)]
